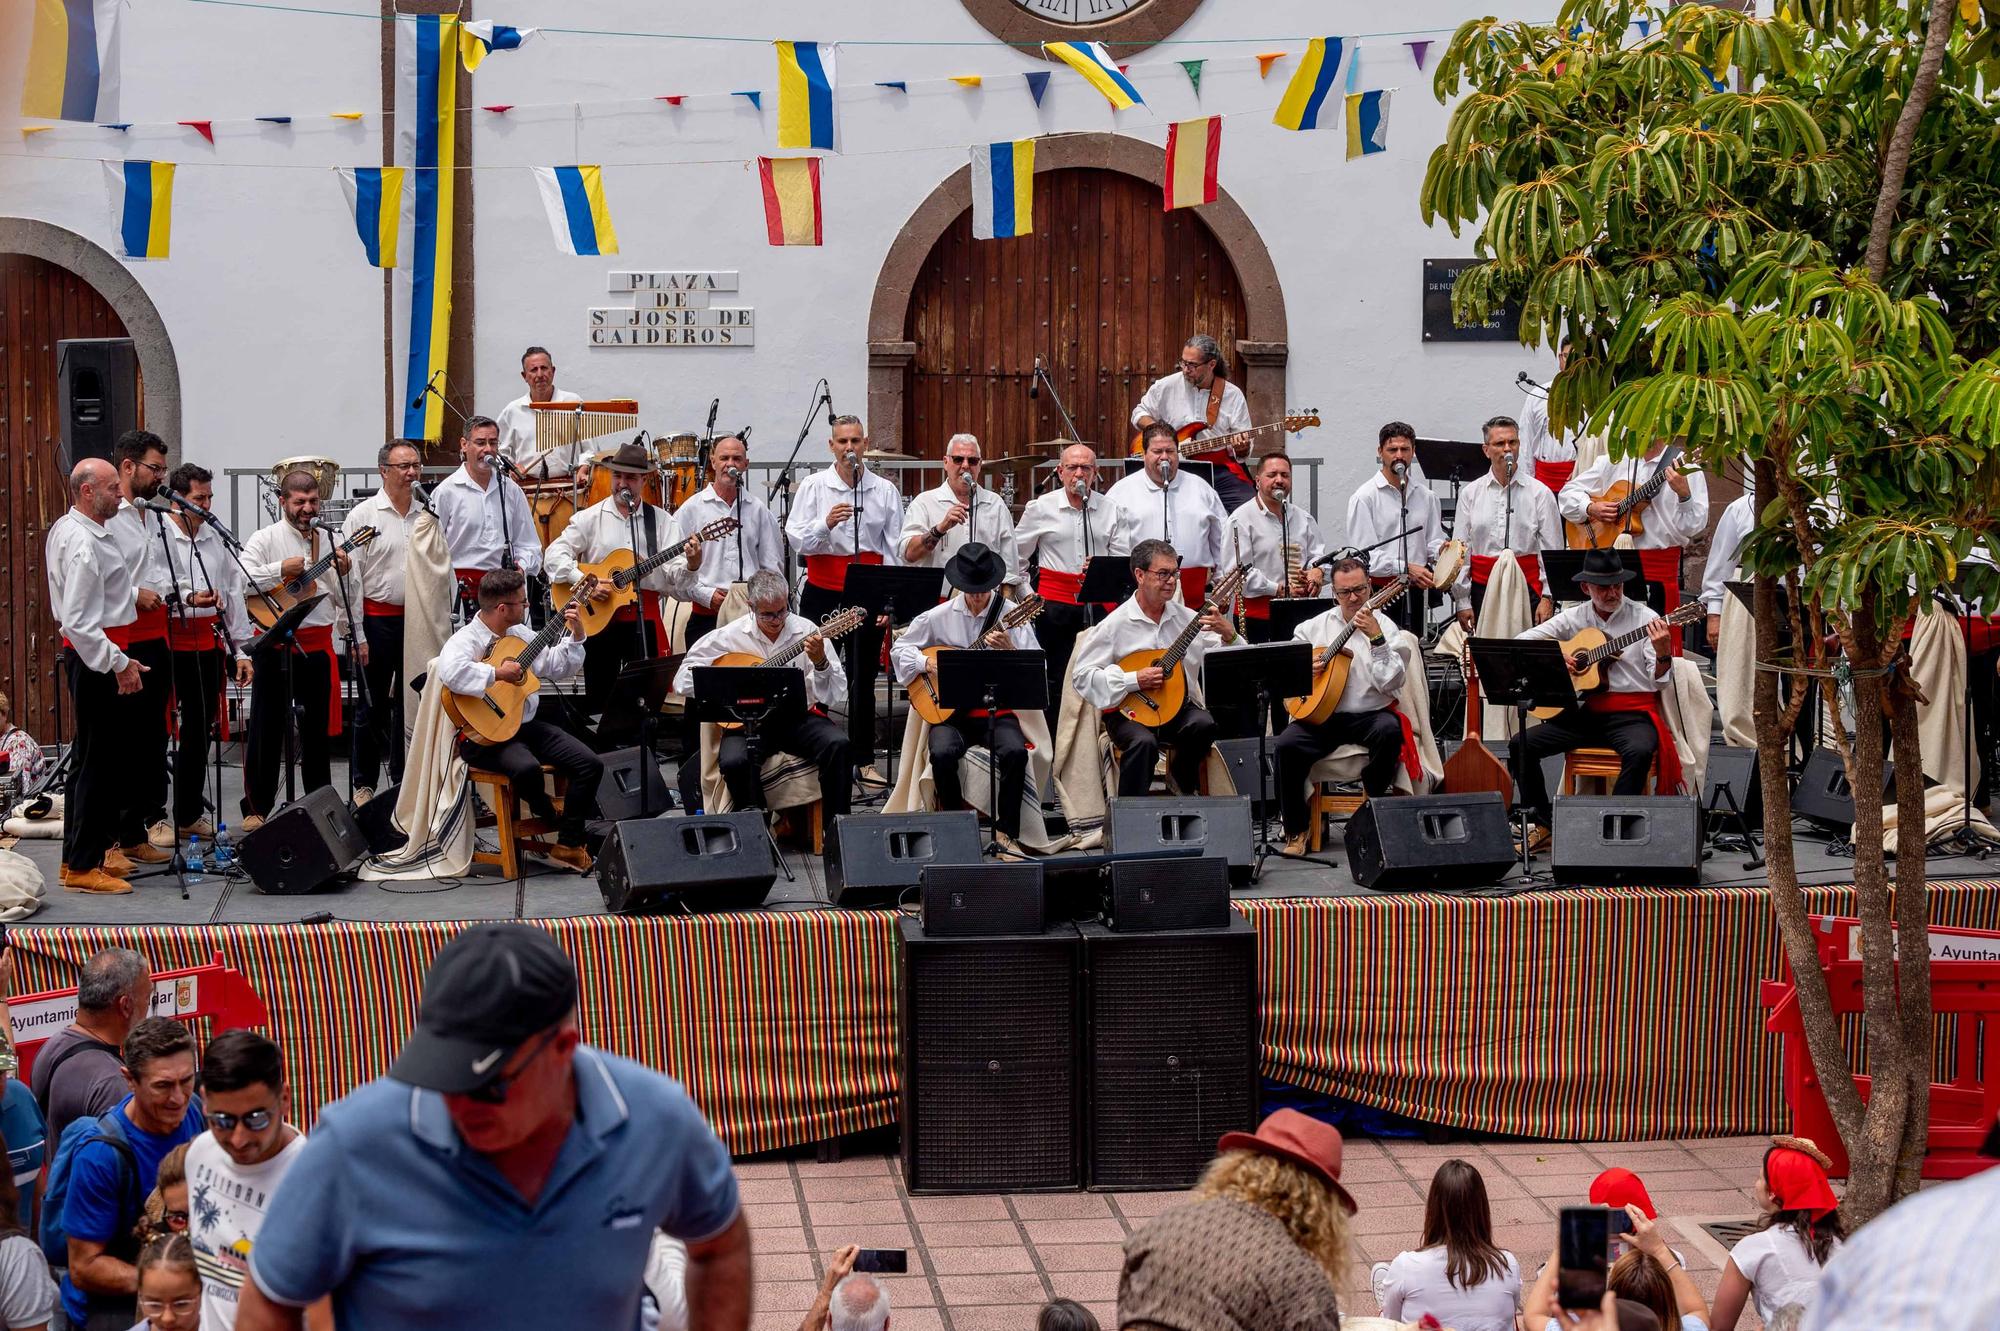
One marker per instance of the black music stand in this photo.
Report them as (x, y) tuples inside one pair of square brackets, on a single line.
[(283, 636), (1272, 670), (1288, 612), (750, 696), (1454, 460), (1201, 470), (633, 717), (1522, 673), (898, 592), (1108, 581), (1560, 567), (1017, 680)]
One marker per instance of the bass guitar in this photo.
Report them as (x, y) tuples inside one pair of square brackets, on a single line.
[(494, 716), (836, 625), (1331, 663), (1193, 443), (923, 689), (621, 572), (1631, 502), (266, 608), (1159, 706), (1589, 649)]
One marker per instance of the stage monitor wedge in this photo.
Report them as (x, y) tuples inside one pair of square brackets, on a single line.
[(872, 859), (1175, 824), (1430, 843), (715, 861), (1626, 841), (304, 846), (1823, 795)]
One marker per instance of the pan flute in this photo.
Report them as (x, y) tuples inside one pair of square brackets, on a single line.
[(564, 424)]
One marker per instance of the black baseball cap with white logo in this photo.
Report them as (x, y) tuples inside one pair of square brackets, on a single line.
[(489, 991)]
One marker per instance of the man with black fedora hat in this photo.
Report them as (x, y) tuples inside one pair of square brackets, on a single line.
[(968, 619), (1625, 715), (504, 1173), (623, 520)]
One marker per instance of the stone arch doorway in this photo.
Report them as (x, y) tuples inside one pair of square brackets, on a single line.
[(955, 323)]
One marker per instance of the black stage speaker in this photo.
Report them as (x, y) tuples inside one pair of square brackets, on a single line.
[(97, 380), (989, 1062), (1616, 841), (873, 858), (1427, 843), (1823, 796), (1735, 768), (1146, 896), (304, 845), (716, 861), (981, 900), (1168, 824), (618, 793), (1171, 1053), (1240, 755), (376, 819)]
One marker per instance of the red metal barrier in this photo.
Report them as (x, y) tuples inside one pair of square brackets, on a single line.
[(1962, 1109), (214, 990)]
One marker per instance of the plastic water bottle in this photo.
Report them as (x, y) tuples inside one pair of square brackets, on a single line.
[(197, 862), (224, 858)]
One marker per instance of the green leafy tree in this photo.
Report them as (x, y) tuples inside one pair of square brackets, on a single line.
[(1775, 238)]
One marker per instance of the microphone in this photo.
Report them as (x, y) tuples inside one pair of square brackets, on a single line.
[(187, 506), (623, 498), (1507, 461), (714, 406), (326, 526), (421, 493), (1328, 561), (744, 435), (160, 506), (418, 400), (734, 474), (1401, 468), (826, 396), (1035, 381), (1523, 380)]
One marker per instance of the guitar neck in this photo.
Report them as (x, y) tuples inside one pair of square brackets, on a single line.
[(1211, 443), (1648, 492), (657, 560), (1624, 640), (1219, 593), (318, 566)]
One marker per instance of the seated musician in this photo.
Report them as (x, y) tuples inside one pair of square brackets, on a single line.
[(965, 620), (1676, 515), (1625, 717), (1506, 509), (813, 737), (1199, 390), (462, 668), (1151, 619), (1366, 713)]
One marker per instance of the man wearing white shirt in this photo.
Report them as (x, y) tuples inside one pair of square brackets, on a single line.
[(1676, 515), (90, 590), (462, 668), (1060, 533), (141, 459), (1387, 505), (516, 421), (1725, 547), (1552, 457), (1164, 503), (1199, 391), (392, 510), (1505, 509), (841, 516), (943, 521), (1280, 543), (486, 520)]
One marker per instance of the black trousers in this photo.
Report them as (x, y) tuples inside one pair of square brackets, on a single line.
[(146, 763), (1191, 734), (861, 653), (264, 754), (814, 738), (1010, 755), (541, 741), (198, 697), (608, 651), (1231, 489), (99, 753), (699, 626), (382, 737), (1628, 734), (1302, 744), (1980, 674), (1056, 629)]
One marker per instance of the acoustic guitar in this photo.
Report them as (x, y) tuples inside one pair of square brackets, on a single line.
[(494, 717), (1163, 704), (922, 692), (266, 608), (1589, 649), (1631, 502), (1193, 443), (621, 572), (1331, 663), (836, 625)]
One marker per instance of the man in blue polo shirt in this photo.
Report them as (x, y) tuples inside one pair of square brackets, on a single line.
[(503, 1173)]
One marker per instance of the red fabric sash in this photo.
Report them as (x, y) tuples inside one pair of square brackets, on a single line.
[(1413, 762), (319, 638), (1664, 567), (469, 580), (1059, 587), (383, 609), (150, 626), (1256, 607), (1984, 631), (1667, 762), (1226, 458), (192, 635), (1555, 475), (1194, 584), (1531, 569), (829, 572), (649, 602)]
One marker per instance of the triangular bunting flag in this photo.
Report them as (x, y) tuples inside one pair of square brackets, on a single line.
[(578, 217), (121, 126), (898, 84), (967, 80), (756, 97), (202, 127), (1645, 26), (347, 115), (29, 131), (673, 99), (499, 109), (1418, 50), (1266, 60), (1038, 83), (274, 120), (1193, 68)]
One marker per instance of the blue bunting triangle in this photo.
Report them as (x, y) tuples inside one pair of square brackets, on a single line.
[(1038, 83), (756, 98)]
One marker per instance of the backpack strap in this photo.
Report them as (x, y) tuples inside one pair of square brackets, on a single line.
[(79, 1047)]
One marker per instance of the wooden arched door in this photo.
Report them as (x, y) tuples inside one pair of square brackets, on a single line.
[(1105, 290)]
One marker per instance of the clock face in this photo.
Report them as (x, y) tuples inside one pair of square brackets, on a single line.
[(1127, 26), (1079, 11)]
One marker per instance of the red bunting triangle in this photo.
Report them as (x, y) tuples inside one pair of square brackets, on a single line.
[(497, 110), (671, 101), (201, 127)]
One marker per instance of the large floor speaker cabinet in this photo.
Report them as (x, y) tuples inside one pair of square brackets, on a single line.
[(713, 861), (304, 845), (1170, 1055), (989, 1057), (1621, 841), (872, 859)]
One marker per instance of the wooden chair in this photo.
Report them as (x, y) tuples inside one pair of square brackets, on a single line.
[(1598, 765), (814, 831), (496, 791)]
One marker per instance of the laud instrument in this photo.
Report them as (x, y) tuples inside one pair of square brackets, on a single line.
[(494, 716), (923, 689), (835, 625), (1631, 502), (1156, 707), (1193, 443), (1331, 663), (1589, 649), (266, 609), (621, 572)]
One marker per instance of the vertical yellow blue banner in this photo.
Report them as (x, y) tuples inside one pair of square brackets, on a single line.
[(142, 206), (72, 69), (805, 94), (432, 111), (1003, 190)]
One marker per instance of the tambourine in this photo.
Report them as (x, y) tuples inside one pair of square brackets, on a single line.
[(1450, 560)]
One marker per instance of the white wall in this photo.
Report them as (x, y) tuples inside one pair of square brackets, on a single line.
[(278, 324)]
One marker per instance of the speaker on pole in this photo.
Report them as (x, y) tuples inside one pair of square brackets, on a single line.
[(1626, 841), (1169, 825), (873, 858), (304, 846), (1427, 843), (719, 861), (97, 386)]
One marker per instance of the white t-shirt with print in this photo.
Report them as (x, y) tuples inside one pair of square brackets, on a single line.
[(226, 1203), (1779, 1267)]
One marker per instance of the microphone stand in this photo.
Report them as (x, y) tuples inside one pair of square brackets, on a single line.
[(177, 866), (364, 702), (1042, 376), (228, 665), (235, 549), (784, 480)]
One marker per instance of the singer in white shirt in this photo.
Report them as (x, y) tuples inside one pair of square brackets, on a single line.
[(1552, 457), (139, 527), (960, 512), (517, 422), (392, 510), (1182, 398), (1677, 514), (1163, 502), (208, 613), (1387, 505), (1506, 509), (485, 517), (1280, 546)]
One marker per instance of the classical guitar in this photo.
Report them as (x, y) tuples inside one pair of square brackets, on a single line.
[(836, 625), (1589, 649), (266, 608), (1193, 443), (494, 716), (1163, 704), (1331, 663), (621, 573), (923, 689), (1591, 534)]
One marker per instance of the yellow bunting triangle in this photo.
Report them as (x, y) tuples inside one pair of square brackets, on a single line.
[(1266, 60), (347, 115), (966, 80), (27, 130)]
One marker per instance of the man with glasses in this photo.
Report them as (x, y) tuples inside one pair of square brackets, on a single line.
[(1060, 533), (941, 522), (504, 1173), (141, 457), (1199, 390), (391, 511), (1163, 501), (462, 668)]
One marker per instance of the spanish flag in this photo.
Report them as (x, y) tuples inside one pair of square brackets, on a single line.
[(1003, 189), (73, 61), (791, 199), (574, 199), (1095, 64), (1306, 96), (1193, 149), (1368, 122), (805, 95), (375, 197), (142, 206)]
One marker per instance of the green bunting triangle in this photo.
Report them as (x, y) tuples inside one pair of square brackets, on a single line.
[(1193, 68)]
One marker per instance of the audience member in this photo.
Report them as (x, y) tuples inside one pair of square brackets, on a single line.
[(1638, 1282), (499, 1151), (1261, 1245), (1066, 1315), (25, 762), (166, 1210), (837, 1268), (103, 1199), (860, 1303), (27, 1290), (1781, 1262), (80, 1072), (1455, 1274), (21, 1121), (169, 1286)]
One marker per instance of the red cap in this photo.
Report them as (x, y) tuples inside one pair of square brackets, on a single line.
[(1798, 1182), (1301, 1139), (1621, 1187)]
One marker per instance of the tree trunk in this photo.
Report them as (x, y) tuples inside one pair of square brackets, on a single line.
[(1912, 938), (1896, 160)]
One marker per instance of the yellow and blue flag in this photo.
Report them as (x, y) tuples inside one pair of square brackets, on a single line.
[(1305, 97), (1091, 60), (791, 199), (574, 198), (479, 39), (375, 197), (427, 115), (1003, 189), (1368, 122), (805, 94), (142, 206), (73, 61)]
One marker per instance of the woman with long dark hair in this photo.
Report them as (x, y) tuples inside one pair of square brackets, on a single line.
[(1780, 1263), (1456, 1274)]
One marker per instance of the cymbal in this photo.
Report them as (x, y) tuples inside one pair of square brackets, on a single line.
[(887, 455)]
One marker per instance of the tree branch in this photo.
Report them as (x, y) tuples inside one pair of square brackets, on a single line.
[(1896, 161)]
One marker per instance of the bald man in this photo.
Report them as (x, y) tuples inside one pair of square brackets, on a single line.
[(1061, 532), (92, 593)]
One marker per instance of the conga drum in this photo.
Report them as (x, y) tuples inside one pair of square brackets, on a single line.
[(553, 504), (680, 460)]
